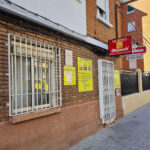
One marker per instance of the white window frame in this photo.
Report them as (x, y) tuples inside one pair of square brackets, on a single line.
[(132, 11), (131, 26), (24, 48), (104, 21)]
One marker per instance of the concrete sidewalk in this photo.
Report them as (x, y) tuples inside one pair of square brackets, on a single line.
[(130, 133)]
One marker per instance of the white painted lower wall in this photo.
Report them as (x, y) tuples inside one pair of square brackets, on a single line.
[(135, 101)]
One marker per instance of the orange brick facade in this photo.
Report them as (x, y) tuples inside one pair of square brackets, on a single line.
[(79, 116), (95, 28), (137, 35)]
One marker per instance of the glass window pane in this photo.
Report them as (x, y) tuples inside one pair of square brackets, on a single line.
[(102, 4), (41, 77), (26, 90), (101, 13), (131, 7)]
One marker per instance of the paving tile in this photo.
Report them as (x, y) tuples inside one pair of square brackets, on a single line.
[(132, 132)]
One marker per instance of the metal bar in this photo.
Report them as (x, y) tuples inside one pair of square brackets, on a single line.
[(41, 63), (32, 77), (37, 75), (56, 79), (114, 93), (12, 88), (27, 77), (45, 77), (21, 75), (53, 81), (25, 94), (49, 75), (15, 75), (10, 104), (60, 77)]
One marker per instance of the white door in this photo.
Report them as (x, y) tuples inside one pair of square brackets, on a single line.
[(106, 91)]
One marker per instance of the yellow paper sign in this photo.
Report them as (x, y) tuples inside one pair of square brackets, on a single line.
[(39, 85), (85, 75), (117, 79), (69, 75)]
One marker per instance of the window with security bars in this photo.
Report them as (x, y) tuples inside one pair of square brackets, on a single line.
[(34, 75), (131, 26)]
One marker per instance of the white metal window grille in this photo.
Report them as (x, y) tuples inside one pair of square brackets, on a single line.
[(34, 75), (106, 91)]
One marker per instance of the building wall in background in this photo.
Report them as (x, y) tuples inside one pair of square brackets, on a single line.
[(69, 13), (143, 5), (142, 23), (96, 28)]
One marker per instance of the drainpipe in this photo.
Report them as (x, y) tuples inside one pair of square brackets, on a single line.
[(116, 19)]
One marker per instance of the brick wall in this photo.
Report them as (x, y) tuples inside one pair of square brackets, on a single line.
[(70, 94), (137, 17), (96, 28), (80, 111), (136, 35), (140, 64)]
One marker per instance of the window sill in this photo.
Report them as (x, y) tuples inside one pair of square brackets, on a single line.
[(104, 21), (33, 115), (131, 31)]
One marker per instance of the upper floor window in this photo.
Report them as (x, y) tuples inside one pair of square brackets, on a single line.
[(131, 26), (103, 11), (130, 8), (101, 8)]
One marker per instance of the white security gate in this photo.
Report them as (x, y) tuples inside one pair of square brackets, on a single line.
[(106, 91)]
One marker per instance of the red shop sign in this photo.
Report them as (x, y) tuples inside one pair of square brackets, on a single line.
[(139, 50), (120, 46)]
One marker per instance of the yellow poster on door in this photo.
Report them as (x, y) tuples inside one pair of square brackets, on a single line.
[(85, 75), (69, 75), (117, 79)]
